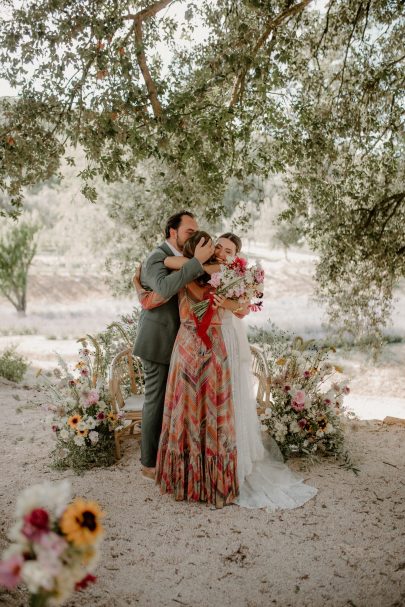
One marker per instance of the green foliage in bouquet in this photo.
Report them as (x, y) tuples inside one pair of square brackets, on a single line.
[(306, 411), (12, 365), (83, 417)]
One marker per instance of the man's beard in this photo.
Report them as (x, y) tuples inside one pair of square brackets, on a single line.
[(179, 244)]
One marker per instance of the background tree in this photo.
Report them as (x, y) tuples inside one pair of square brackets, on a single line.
[(274, 87), (18, 246)]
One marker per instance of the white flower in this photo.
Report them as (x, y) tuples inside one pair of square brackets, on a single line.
[(320, 433), (91, 423), (102, 405), (52, 497), (329, 429), (64, 434), (79, 440), (82, 425), (267, 411), (36, 576), (294, 427), (93, 436)]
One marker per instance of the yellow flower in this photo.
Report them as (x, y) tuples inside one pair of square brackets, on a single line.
[(80, 364), (82, 432), (80, 522), (338, 369), (112, 416), (74, 420), (281, 361)]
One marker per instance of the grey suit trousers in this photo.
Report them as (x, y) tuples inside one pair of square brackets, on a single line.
[(155, 388)]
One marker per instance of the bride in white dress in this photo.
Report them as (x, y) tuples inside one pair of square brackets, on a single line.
[(264, 480)]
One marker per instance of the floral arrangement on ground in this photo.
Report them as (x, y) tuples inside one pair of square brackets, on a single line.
[(83, 417), (55, 544), (306, 411)]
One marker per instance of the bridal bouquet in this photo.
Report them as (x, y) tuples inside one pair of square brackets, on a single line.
[(236, 280), (305, 415), (55, 544), (82, 416)]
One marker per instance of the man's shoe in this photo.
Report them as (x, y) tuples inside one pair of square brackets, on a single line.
[(149, 473)]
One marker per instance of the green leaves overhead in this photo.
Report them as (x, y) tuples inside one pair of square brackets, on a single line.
[(234, 89)]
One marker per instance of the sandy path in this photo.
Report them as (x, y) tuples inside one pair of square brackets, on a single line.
[(344, 548)]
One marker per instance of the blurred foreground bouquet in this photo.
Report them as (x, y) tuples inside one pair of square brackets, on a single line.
[(55, 544)]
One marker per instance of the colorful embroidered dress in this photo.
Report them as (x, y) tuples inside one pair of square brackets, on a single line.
[(197, 458)]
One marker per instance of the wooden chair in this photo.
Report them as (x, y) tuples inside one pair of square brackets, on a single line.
[(126, 388), (261, 372)]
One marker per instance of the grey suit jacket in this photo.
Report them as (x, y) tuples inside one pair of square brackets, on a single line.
[(158, 327)]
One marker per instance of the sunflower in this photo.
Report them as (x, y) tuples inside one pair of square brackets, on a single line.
[(112, 416), (82, 432), (80, 522), (74, 420)]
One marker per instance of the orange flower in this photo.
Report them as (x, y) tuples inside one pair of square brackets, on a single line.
[(74, 420), (80, 522)]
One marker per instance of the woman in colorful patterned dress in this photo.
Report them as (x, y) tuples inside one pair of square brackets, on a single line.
[(197, 458)]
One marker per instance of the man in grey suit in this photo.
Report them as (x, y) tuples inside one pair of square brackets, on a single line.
[(158, 327)]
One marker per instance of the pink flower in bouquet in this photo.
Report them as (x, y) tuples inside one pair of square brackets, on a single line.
[(36, 523), (327, 401), (302, 423), (84, 372), (239, 265), (10, 571), (215, 280), (259, 275), (287, 388), (346, 390), (307, 374), (53, 543), (100, 415), (54, 427), (298, 403), (92, 397)]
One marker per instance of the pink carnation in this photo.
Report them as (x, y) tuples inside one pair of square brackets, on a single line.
[(298, 403), (215, 280), (35, 524), (10, 571), (92, 397)]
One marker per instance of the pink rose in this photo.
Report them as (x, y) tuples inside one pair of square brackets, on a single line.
[(10, 571)]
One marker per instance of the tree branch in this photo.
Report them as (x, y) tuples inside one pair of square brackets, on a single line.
[(272, 25), (138, 19)]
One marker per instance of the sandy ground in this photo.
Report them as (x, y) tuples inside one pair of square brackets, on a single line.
[(343, 548)]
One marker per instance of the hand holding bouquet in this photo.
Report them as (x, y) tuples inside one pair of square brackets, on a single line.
[(238, 281)]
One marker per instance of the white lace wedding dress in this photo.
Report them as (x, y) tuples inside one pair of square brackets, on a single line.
[(264, 480)]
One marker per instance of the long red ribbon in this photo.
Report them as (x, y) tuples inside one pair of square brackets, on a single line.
[(205, 322)]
